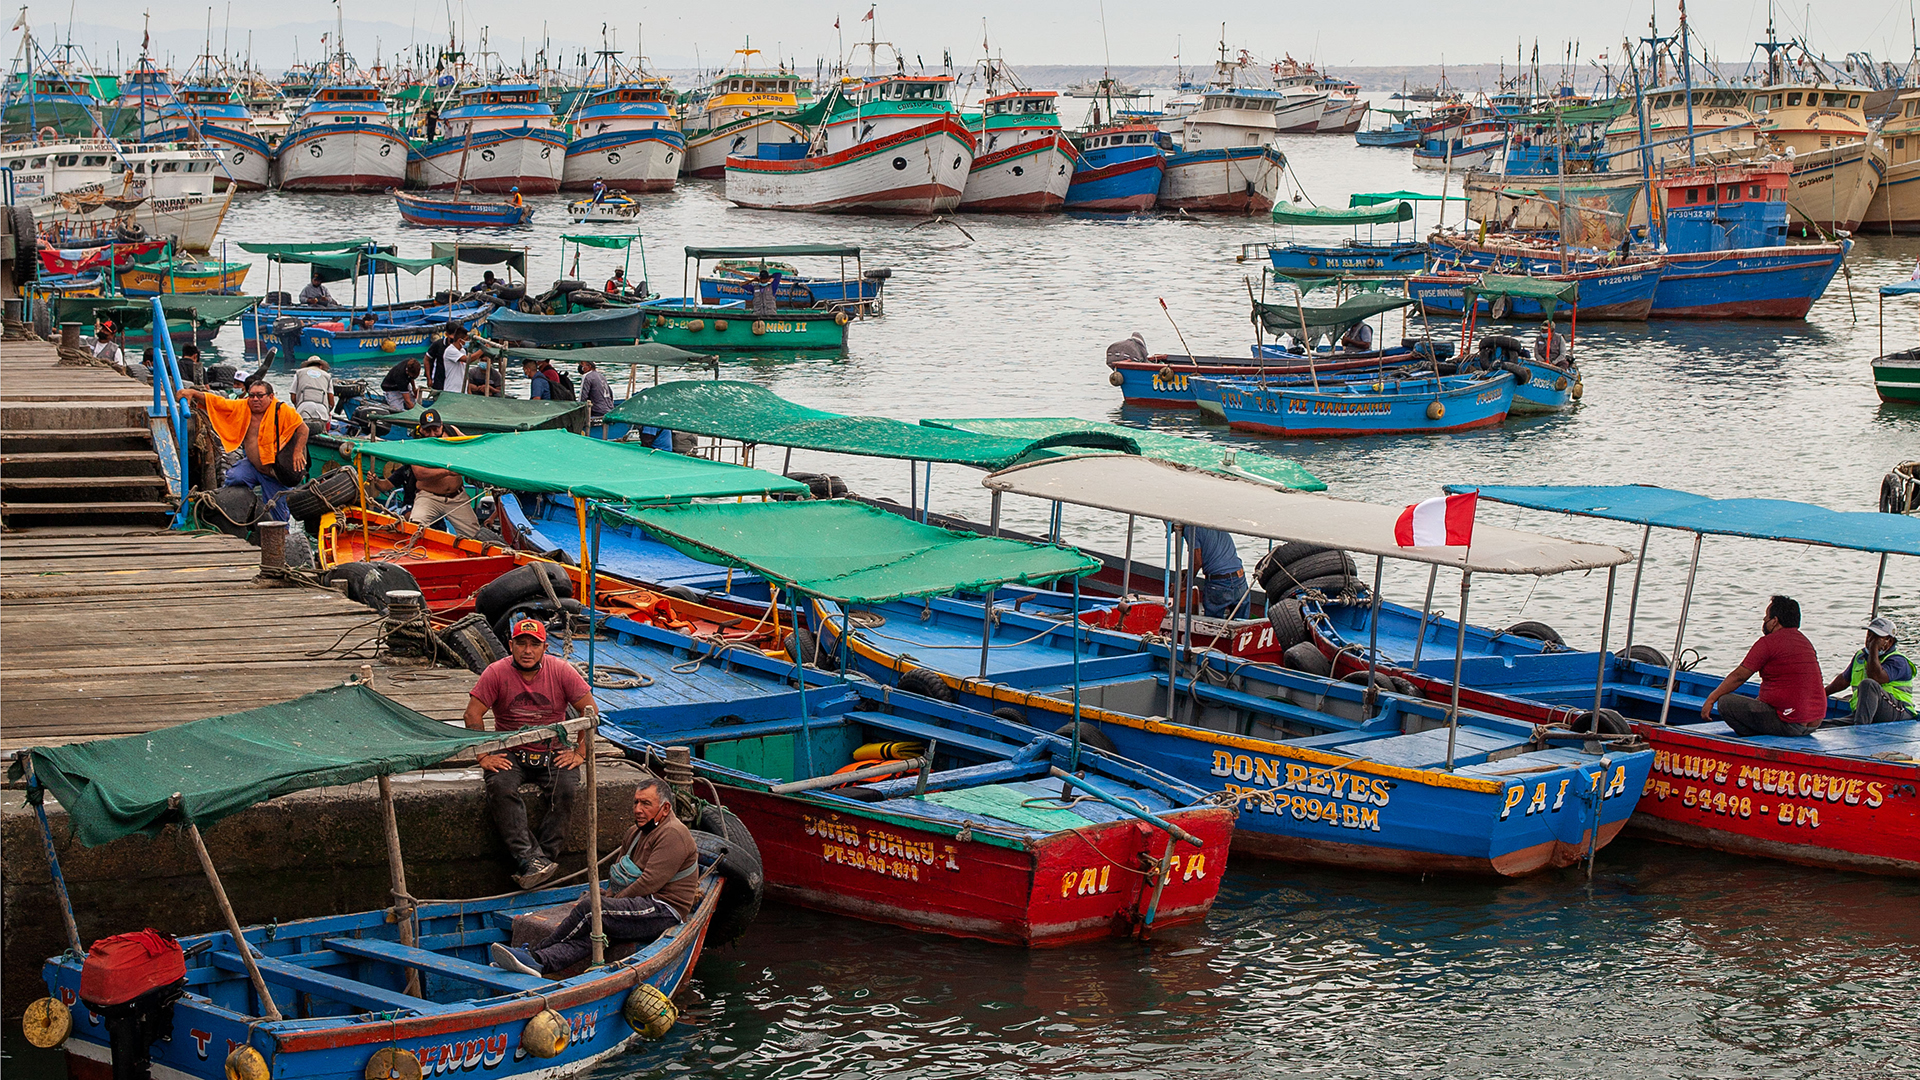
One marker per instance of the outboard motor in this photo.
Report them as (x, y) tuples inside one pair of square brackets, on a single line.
[(286, 330), (132, 981)]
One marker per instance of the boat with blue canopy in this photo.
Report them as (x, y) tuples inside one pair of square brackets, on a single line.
[(736, 267), (1527, 672), (387, 992), (1323, 771), (1896, 376)]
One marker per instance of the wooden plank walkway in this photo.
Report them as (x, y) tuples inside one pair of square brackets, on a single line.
[(107, 631), (30, 372)]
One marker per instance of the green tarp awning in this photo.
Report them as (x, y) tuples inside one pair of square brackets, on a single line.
[(1247, 464), (483, 255), (1284, 214), (772, 252), (1378, 197), (479, 414), (1532, 288), (853, 553), (206, 309), (1336, 320), (595, 325), (650, 353), (593, 241), (330, 263), (725, 409), (222, 765), (320, 247), (411, 266), (557, 462)]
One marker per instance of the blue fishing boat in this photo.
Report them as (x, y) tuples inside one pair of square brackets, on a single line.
[(1160, 381), (1622, 293), (1322, 771), (1356, 257), (1396, 135), (1119, 170), (1727, 255), (296, 998), (460, 211), (1390, 404)]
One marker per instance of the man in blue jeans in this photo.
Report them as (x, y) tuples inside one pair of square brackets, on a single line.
[(261, 428), (1226, 577)]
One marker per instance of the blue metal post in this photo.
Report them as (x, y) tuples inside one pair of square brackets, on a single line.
[(1073, 759), (166, 399), (37, 797), (593, 588)]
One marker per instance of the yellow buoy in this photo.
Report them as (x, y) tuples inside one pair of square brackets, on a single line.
[(649, 1011), (545, 1035), (696, 325), (1560, 383), (393, 1063), (245, 1063), (387, 345), (720, 325), (1578, 389), (759, 327), (1165, 373), (1116, 378), (47, 1023), (1435, 410), (839, 318)]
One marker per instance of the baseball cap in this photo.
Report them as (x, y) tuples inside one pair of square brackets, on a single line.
[(532, 627), (1883, 627), (430, 418)]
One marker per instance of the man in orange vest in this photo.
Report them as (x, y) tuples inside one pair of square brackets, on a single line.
[(271, 435)]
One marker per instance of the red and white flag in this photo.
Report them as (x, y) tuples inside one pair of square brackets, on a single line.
[(1443, 522), (868, 16), (836, 22)]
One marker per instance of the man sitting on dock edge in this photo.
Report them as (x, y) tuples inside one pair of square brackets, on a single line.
[(270, 434)]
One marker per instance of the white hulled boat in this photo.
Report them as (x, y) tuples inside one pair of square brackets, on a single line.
[(215, 115), (498, 138), (740, 111), (343, 140), (626, 136)]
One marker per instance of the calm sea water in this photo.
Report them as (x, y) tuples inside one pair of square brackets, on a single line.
[(1670, 962)]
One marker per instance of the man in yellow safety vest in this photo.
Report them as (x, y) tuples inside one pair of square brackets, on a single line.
[(1881, 678)]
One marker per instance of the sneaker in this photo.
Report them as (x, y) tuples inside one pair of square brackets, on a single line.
[(516, 958), (537, 872)]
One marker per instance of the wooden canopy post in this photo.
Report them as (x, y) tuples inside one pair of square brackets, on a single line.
[(597, 936), (405, 914), (268, 1009)]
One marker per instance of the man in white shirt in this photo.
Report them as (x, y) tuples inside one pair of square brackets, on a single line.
[(107, 349), (1358, 339), (453, 361), (312, 395)]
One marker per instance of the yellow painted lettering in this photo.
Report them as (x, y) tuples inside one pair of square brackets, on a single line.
[(1296, 776), (1370, 819), (1317, 781), (1266, 771), (1242, 767), (1514, 795), (1853, 792), (1089, 881), (1339, 780), (1874, 795), (1223, 763), (1618, 785), (1539, 802), (1349, 816), (1104, 871), (1067, 882), (1380, 792), (1560, 797)]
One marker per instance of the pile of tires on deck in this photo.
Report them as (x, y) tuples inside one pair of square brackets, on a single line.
[(1292, 574)]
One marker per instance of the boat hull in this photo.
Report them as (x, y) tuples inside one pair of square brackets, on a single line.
[(1163, 383), (529, 158), (921, 170), (342, 157), (707, 151), (1033, 895), (1549, 389), (1756, 283), (712, 329), (1305, 413), (631, 161), (1624, 295), (1026, 178), (148, 280), (802, 293), (460, 214), (1895, 207), (194, 219), (1124, 187), (1897, 378), (245, 158), (1334, 259), (1236, 180), (1833, 187)]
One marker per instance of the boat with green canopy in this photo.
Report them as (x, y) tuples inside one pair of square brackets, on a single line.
[(1896, 376), (1246, 463), (384, 992), (735, 267), (1357, 255)]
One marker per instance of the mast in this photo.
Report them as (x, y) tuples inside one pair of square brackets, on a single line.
[(1686, 79)]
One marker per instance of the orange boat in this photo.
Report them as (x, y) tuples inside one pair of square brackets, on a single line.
[(451, 569)]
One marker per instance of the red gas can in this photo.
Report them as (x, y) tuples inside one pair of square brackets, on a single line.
[(124, 966)]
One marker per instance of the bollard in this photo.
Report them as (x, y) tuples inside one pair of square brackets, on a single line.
[(366, 674), (273, 547), (69, 335), (679, 776), (404, 606), (15, 309)]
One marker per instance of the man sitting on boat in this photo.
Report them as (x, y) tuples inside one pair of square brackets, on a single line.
[(617, 285), (108, 350), (316, 294), (1358, 338), (1792, 698), (441, 493), (594, 388), (1881, 678), (398, 383), (313, 394), (1225, 577), (1132, 347), (270, 434), (529, 688), (652, 886), (546, 382)]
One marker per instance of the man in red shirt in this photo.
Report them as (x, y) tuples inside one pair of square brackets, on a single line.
[(528, 688), (1793, 697)]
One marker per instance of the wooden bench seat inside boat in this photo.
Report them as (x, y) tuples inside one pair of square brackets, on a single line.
[(433, 963), (348, 992), (1428, 749)]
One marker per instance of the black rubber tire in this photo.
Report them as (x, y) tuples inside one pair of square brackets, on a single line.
[(1611, 723), (822, 485), (1647, 654), (537, 609), (219, 376), (1538, 631), (1290, 552), (1507, 342), (1405, 687), (927, 683), (26, 245), (1522, 374), (234, 510), (1308, 658), (314, 499), (1089, 736), (1318, 565), (813, 648), (369, 582), (1010, 714), (474, 642), (742, 873), (1331, 585), (861, 794), (681, 592), (520, 585), (564, 285), (1381, 680), (1289, 623)]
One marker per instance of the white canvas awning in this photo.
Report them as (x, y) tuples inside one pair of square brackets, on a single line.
[(1186, 496)]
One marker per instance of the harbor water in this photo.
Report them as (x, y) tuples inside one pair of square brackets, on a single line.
[(1668, 962)]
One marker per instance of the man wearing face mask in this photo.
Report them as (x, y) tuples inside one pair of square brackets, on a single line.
[(529, 688), (1792, 699), (651, 887)]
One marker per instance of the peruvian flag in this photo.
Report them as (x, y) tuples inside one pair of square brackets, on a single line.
[(1443, 522), (868, 16)]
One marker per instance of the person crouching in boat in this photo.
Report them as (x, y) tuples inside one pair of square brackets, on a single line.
[(1357, 339), (270, 434), (528, 688), (1132, 347), (1224, 589), (1792, 698), (1881, 678), (651, 888)]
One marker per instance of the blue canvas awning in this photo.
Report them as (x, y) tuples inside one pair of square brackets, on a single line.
[(1900, 288), (1762, 519)]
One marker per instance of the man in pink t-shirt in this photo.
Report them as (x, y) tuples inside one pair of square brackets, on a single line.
[(1793, 697), (525, 689)]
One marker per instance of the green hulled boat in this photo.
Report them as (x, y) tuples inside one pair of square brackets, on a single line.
[(1896, 376), (708, 328)]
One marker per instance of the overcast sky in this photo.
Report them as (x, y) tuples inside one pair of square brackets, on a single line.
[(1368, 32)]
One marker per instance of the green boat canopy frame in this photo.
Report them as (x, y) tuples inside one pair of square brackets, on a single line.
[(206, 309), (724, 409), (1387, 214), (224, 764), (648, 353), (483, 255), (479, 414), (595, 240), (1334, 321), (560, 462), (333, 247), (1550, 294), (852, 553), (1245, 464), (772, 252), (1377, 197)]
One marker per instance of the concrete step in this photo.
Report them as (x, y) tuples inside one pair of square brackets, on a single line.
[(81, 463), (87, 439), (16, 415)]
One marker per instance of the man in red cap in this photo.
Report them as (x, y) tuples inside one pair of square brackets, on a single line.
[(529, 688)]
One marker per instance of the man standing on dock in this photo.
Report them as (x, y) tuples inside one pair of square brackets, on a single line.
[(1792, 699), (529, 688), (267, 431)]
